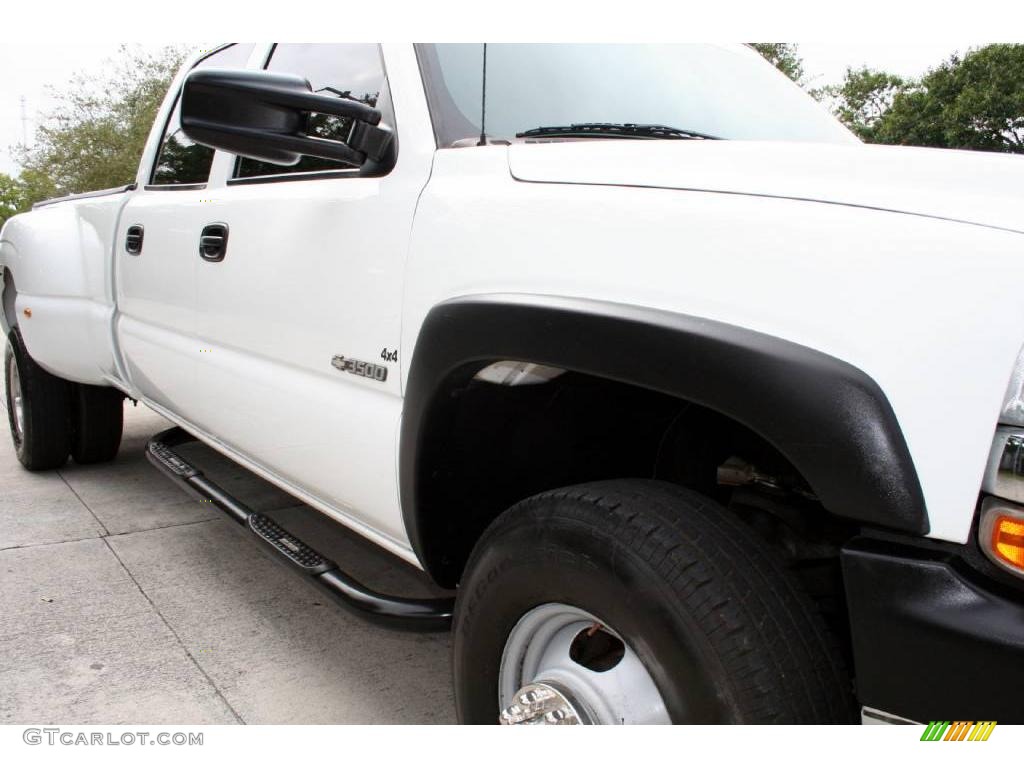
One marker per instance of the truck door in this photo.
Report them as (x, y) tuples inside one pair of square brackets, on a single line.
[(157, 250), (299, 308)]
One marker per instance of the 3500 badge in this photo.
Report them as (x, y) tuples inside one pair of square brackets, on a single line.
[(360, 368)]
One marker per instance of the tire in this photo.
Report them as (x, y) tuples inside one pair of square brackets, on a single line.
[(98, 420), (726, 635), (44, 438)]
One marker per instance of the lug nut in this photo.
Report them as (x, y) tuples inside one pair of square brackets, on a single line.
[(540, 704)]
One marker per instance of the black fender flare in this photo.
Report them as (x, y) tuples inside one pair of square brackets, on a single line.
[(828, 418)]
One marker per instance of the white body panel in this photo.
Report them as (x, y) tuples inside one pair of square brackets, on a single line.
[(314, 269), (922, 305), (812, 244), (156, 295), (61, 261), (979, 187)]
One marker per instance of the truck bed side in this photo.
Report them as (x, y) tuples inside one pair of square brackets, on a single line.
[(58, 287)]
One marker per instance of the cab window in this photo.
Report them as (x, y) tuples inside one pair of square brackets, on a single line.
[(181, 161), (346, 70)]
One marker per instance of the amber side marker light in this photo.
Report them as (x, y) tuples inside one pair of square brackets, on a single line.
[(1002, 535), (1008, 540)]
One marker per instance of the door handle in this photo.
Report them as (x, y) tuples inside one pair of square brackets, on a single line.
[(133, 239), (213, 242)]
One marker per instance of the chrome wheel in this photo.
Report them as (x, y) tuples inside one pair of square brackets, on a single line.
[(563, 665), (17, 399)]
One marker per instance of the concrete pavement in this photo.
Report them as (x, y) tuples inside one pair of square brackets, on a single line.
[(122, 600)]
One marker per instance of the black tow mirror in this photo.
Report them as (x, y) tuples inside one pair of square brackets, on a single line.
[(266, 116)]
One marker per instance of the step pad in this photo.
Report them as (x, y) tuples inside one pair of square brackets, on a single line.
[(171, 461), (302, 555)]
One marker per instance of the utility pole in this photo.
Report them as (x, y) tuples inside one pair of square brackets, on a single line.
[(24, 123)]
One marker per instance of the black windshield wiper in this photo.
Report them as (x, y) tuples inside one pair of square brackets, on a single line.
[(612, 130)]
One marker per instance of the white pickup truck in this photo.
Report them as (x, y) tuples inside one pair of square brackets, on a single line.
[(709, 412)]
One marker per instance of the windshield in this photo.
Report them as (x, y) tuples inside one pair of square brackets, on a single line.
[(727, 92)]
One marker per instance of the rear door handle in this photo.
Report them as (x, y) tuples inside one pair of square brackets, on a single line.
[(133, 240), (213, 242)]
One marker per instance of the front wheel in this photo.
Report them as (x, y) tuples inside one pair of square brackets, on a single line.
[(637, 601)]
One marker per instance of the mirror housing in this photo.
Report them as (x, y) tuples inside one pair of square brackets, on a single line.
[(265, 116)]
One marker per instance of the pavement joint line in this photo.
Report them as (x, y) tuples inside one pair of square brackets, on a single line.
[(49, 543), (109, 535), (215, 519), (166, 623), (82, 502), (177, 637)]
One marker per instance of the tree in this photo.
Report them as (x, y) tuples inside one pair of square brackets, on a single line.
[(785, 57), (974, 102), (18, 195), (863, 99), (10, 197), (94, 137), (34, 186)]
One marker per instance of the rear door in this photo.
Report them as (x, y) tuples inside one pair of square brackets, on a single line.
[(156, 257), (300, 318)]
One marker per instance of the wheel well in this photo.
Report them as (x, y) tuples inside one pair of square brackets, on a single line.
[(502, 444), (803, 446), (830, 419)]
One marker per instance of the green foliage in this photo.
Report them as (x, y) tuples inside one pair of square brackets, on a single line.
[(785, 57), (35, 186), (10, 197), (864, 97), (95, 135), (18, 195), (974, 102)]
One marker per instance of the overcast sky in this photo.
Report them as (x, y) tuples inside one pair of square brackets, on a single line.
[(28, 69)]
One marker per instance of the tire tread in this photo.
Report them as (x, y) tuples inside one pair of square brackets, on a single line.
[(46, 442), (765, 630), (98, 415)]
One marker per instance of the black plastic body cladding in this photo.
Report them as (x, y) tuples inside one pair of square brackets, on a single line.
[(931, 639), (828, 418)]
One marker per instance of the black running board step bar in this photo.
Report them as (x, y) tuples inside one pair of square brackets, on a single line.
[(425, 614)]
